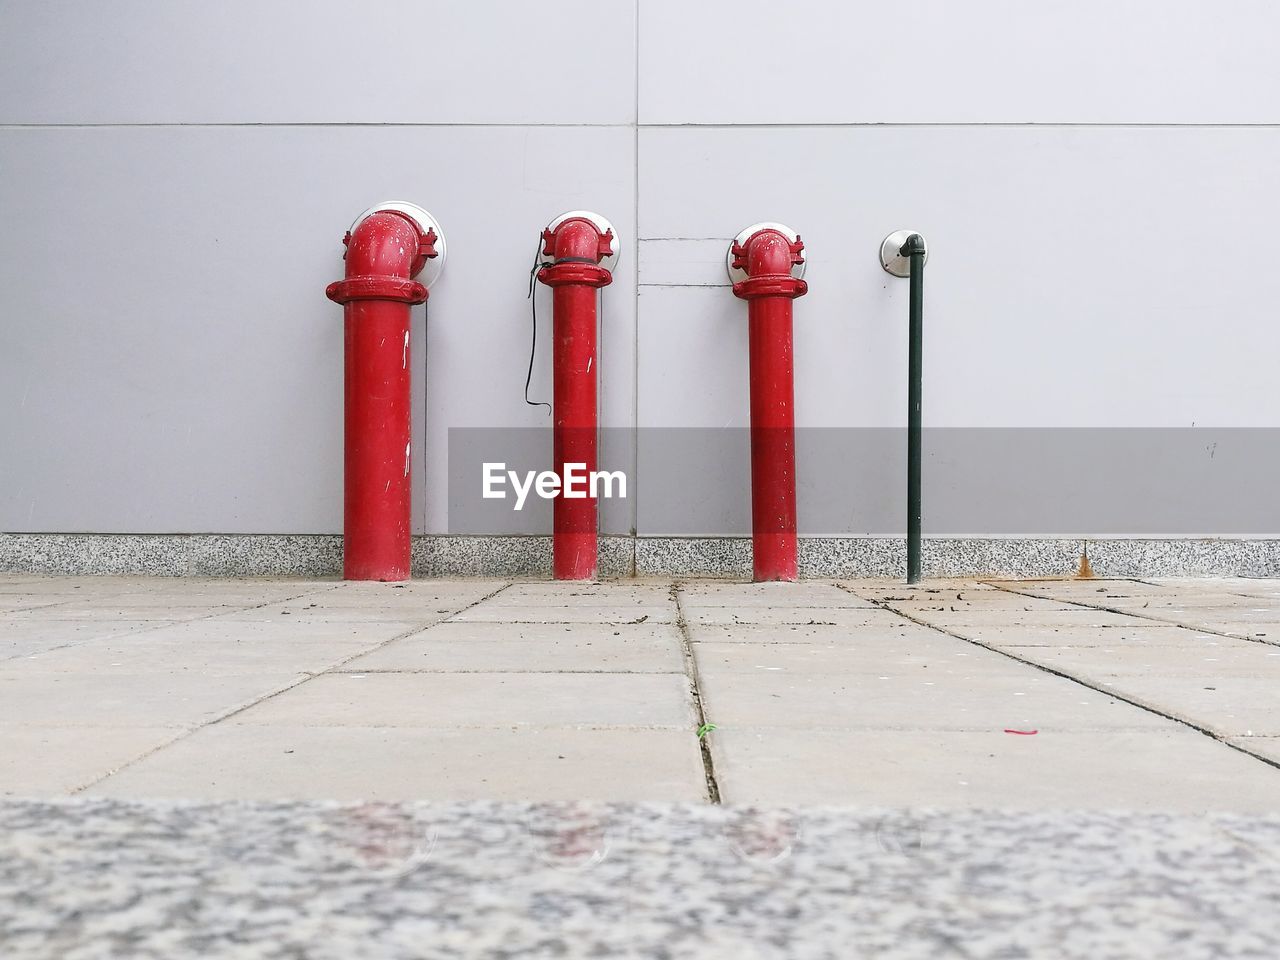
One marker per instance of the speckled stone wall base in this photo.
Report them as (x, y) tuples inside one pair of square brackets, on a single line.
[(281, 555), (272, 881), (435, 556), (172, 555), (834, 557), (261, 555)]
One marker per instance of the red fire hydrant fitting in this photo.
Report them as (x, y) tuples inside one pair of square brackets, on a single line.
[(580, 250), (387, 247), (766, 264)]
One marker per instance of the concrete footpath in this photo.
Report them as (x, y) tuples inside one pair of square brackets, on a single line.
[(1012, 695), (1105, 751)]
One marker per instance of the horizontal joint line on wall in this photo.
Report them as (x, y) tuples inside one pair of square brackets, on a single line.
[(330, 124)]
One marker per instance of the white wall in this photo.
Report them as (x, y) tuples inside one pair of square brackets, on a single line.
[(1095, 181)]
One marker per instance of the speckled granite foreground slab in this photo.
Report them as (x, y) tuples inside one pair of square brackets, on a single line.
[(98, 879), (305, 555)]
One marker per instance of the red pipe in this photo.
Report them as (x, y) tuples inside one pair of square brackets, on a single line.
[(385, 251), (768, 256), (577, 247)]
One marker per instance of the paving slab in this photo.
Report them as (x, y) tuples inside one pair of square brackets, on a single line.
[(1205, 608), (35, 586), (882, 589), (1203, 604), (480, 700), (1265, 747), (11, 603), (583, 594), (569, 613), (37, 636), (475, 587), (106, 612), (1207, 659), (284, 629), (1217, 612), (683, 882), (1087, 589), (1169, 769), (420, 614), (1229, 706), (778, 595), (47, 761), (876, 623), (229, 761), (1143, 635), (148, 699), (154, 586), (203, 596), (1244, 586), (982, 700), (537, 648), (1264, 632), (794, 616), (367, 601), (958, 601), (68, 586), (153, 653), (932, 658), (1073, 618)]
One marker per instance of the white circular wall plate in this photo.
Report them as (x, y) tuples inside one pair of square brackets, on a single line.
[(740, 274), (601, 224), (425, 221), (893, 261)]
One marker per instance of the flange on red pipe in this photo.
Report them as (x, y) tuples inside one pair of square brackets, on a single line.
[(387, 247), (579, 252), (766, 264)]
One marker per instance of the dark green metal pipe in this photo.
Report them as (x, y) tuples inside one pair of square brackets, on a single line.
[(914, 248)]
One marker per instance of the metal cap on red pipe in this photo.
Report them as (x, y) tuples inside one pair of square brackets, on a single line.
[(578, 247), (766, 260), (364, 283)]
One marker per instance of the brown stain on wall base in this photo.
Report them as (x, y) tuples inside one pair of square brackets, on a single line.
[(1085, 570)]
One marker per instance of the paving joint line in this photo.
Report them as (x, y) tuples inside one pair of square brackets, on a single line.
[(162, 624), (418, 628), (1234, 592), (302, 677), (1084, 683), (695, 691), (389, 671), (1140, 616), (565, 623)]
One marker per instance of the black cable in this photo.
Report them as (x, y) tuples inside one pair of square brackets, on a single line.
[(533, 301), (533, 346)]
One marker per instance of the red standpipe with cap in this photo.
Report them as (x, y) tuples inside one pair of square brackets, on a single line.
[(579, 250), (386, 248), (766, 263)]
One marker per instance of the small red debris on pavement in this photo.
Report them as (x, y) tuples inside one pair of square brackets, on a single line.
[(1022, 733)]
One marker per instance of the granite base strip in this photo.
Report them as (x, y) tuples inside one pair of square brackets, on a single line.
[(302, 555), (435, 556), (261, 881), (854, 557), (172, 555)]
